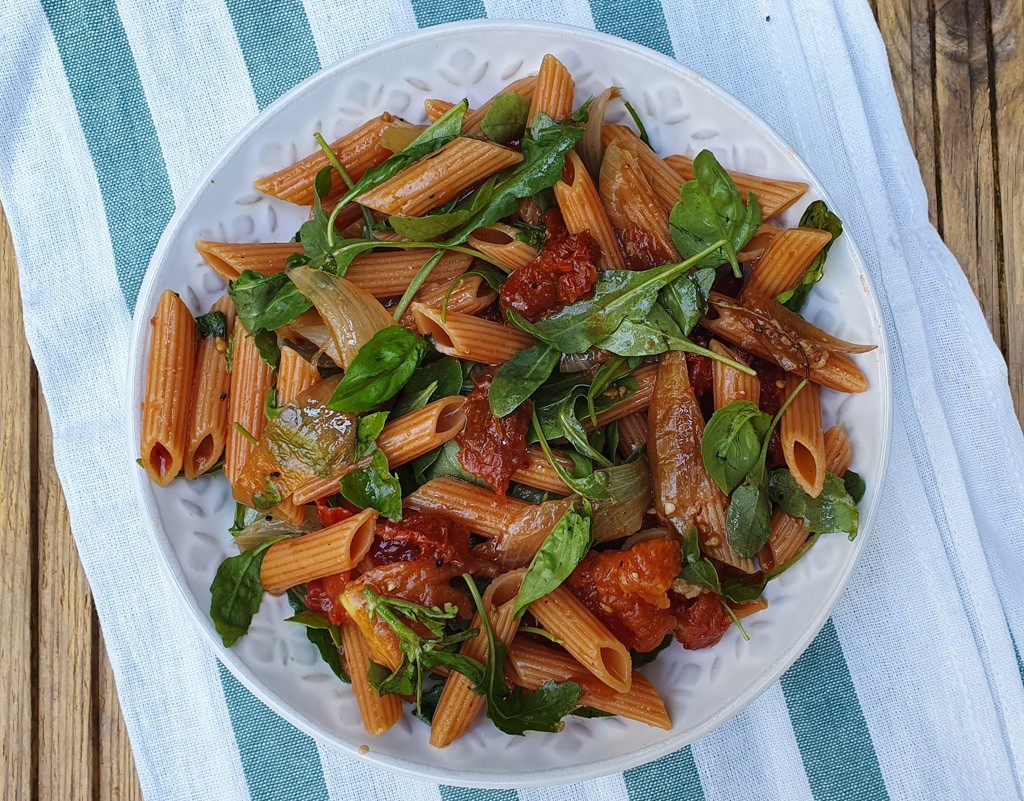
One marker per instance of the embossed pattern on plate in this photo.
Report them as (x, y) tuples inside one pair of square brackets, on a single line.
[(189, 520)]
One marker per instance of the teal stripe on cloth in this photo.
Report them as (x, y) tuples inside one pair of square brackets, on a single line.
[(279, 761), (277, 45), (671, 778), (435, 12), (640, 21), (830, 730), (118, 129), (468, 794)]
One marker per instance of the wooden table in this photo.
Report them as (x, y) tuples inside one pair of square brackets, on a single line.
[(958, 66)]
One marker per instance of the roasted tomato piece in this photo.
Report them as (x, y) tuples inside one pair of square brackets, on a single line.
[(641, 250), (490, 447), (563, 272), (420, 582), (628, 590), (702, 620), (701, 377), (329, 515), (773, 395), (323, 596), (420, 536)]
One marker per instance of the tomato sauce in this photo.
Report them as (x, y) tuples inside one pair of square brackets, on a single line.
[(628, 590), (322, 596), (702, 620), (421, 536), (490, 447), (563, 272)]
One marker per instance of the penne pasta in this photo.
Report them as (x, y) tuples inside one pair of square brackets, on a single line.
[(585, 637), (294, 376), (554, 91), (637, 402), (231, 259), (470, 337), (165, 407), (634, 209), (758, 244), (803, 442), (357, 151), (538, 472), (439, 177), (664, 181), (632, 433), (499, 242), (684, 493), (469, 296), (251, 379), (208, 413), (532, 665), (728, 383), (379, 712), (388, 273), (785, 261), (581, 208), (332, 550), (458, 707), (775, 196), (435, 109)]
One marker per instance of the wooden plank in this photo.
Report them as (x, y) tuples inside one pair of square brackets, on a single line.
[(967, 190), (906, 28), (17, 610), (118, 780), (64, 642), (1008, 64)]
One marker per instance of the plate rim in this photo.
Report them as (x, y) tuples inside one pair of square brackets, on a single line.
[(142, 489)]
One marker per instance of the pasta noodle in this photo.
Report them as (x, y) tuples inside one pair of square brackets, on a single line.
[(802, 440), (231, 259), (632, 433), (379, 712), (729, 384), (664, 181), (469, 296), (470, 337), (471, 122), (554, 91), (786, 260), (387, 273), (294, 376), (172, 354), (581, 207), (251, 380), (499, 242), (632, 205), (208, 414), (538, 471), (775, 196)]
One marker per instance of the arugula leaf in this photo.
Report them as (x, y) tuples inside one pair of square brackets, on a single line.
[(609, 372), (531, 234), (379, 370), (710, 209), (591, 485), (833, 510), (374, 487), (244, 517), (817, 215), (236, 592), (590, 712), (440, 378), (686, 298), (616, 296), (506, 118), (314, 234), (639, 124), (520, 376), (517, 711), (558, 556), (732, 442), (430, 226), (320, 632), (855, 485), (265, 303), (368, 428), (212, 324)]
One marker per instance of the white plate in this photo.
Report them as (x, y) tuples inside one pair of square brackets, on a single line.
[(684, 113)]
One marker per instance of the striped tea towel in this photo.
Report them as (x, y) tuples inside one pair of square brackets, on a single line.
[(110, 110)]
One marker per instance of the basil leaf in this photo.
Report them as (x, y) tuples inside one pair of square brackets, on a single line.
[(327, 639), (732, 442), (520, 376), (517, 711), (236, 593), (379, 370), (374, 487), (833, 510), (506, 117), (817, 215), (855, 485), (443, 462), (313, 232), (368, 428), (748, 521), (440, 378), (697, 570), (558, 556), (686, 298), (710, 210), (212, 324), (265, 303)]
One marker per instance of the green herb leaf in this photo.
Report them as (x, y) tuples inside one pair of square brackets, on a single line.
[(855, 485), (430, 226), (326, 639), (212, 324), (520, 376), (236, 593), (558, 556), (639, 124), (710, 210), (817, 215), (368, 428), (269, 498), (517, 711), (645, 658), (270, 407), (741, 589), (698, 570), (732, 442), (833, 510), (374, 487), (265, 303), (379, 370), (433, 380), (686, 298), (443, 462), (590, 712), (505, 120)]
